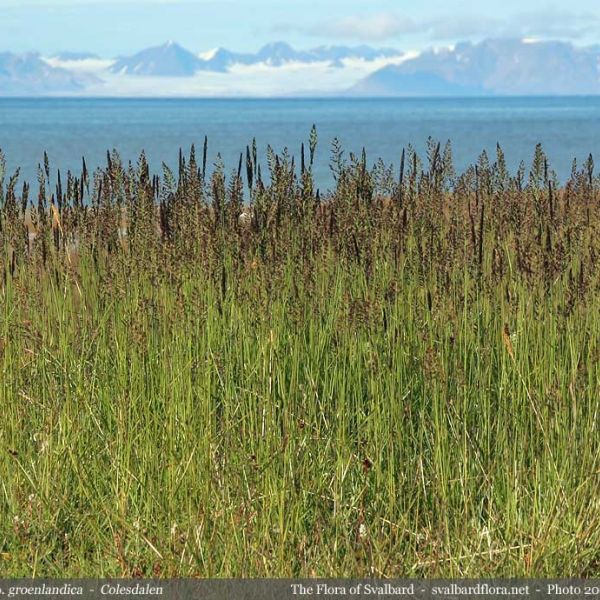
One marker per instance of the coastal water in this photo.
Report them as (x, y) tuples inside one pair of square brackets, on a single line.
[(71, 128)]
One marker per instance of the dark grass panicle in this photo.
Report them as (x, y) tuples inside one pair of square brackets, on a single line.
[(241, 375)]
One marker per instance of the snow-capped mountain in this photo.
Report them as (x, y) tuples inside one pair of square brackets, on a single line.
[(168, 60), (30, 75), (500, 67), (491, 67), (172, 60)]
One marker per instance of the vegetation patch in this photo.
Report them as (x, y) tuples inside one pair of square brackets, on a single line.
[(215, 375)]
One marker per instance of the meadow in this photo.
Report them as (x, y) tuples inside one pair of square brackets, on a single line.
[(214, 374)]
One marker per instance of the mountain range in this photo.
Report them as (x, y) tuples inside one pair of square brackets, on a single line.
[(496, 67), (490, 67), (172, 60)]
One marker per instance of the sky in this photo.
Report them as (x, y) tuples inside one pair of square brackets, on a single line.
[(113, 28)]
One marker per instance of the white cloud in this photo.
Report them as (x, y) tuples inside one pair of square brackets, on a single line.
[(379, 26), (550, 23), (541, 24)]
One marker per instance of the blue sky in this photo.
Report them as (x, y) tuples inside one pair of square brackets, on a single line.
[(114, 27)]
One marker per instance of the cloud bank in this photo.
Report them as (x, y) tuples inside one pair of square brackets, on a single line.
[(383, 26)]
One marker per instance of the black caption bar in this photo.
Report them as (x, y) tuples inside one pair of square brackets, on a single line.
[(275, 589)]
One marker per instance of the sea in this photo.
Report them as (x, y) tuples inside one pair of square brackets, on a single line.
[(69, 129)]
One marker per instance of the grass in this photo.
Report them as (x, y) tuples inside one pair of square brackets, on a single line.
[(399, 378)]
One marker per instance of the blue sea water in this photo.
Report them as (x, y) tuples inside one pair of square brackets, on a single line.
[(71, 128)]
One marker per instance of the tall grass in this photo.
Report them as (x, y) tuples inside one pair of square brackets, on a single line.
[(219, 376)]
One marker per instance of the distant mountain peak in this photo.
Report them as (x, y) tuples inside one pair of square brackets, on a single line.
[(168, 60), (277, 47), (29, 74), (499, 66)]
